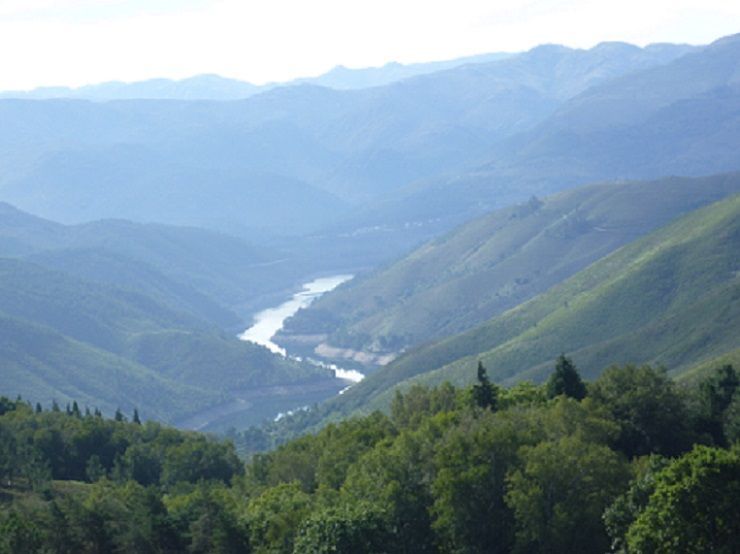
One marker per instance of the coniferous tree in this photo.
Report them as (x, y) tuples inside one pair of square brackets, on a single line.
[(119, 415), (76, 409), (39, 409), (136, 417), (484, 393), (565, 380)]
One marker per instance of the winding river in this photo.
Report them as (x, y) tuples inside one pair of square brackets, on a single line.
[(268, 322)]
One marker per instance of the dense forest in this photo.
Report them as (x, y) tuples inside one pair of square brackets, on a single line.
[(630, 462)]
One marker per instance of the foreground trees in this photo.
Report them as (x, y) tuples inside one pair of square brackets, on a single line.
[(447, 471)]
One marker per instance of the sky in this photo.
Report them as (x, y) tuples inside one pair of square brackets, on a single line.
[(77, 42)]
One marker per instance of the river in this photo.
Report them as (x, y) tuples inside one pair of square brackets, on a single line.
[(267, 323)]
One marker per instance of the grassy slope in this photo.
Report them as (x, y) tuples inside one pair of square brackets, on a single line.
[(498, 261), (700, 370), (672, 297)]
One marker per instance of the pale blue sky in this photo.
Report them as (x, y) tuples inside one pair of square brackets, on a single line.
[(76, 42)]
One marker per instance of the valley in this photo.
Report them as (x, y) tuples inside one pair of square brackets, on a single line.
[(483, 304)]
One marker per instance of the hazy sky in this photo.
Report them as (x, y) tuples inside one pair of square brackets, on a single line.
[(75, 42)]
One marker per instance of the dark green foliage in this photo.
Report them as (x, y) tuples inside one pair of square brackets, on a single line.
[(716, 394), (644, 402), (732, 419), (559, 494), (626, 507), (484, 393), (471, 464), (440, 475), (565, 380), (117, 487)]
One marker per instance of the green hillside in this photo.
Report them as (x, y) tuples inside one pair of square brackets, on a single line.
[(497, 262), (66, 338), (671, 298), (702, 369), (42, 364)]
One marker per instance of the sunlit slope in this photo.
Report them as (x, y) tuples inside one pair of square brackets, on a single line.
[(671, 298), (499, 261)]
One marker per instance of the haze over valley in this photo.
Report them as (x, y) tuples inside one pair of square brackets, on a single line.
[(376, 309)]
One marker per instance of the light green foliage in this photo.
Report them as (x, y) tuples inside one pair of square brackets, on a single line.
[(694, 507), (359, 528), (274, 516), (559, 494), (626, 507), (524, 393), (324, 459), (410, 408)]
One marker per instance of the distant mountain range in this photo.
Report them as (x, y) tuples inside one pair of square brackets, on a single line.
[(305, 161), (215, 87)]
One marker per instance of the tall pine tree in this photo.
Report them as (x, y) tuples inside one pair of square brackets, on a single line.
[(565, 380)]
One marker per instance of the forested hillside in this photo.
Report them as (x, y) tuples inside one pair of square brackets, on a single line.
[(638, 463)]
